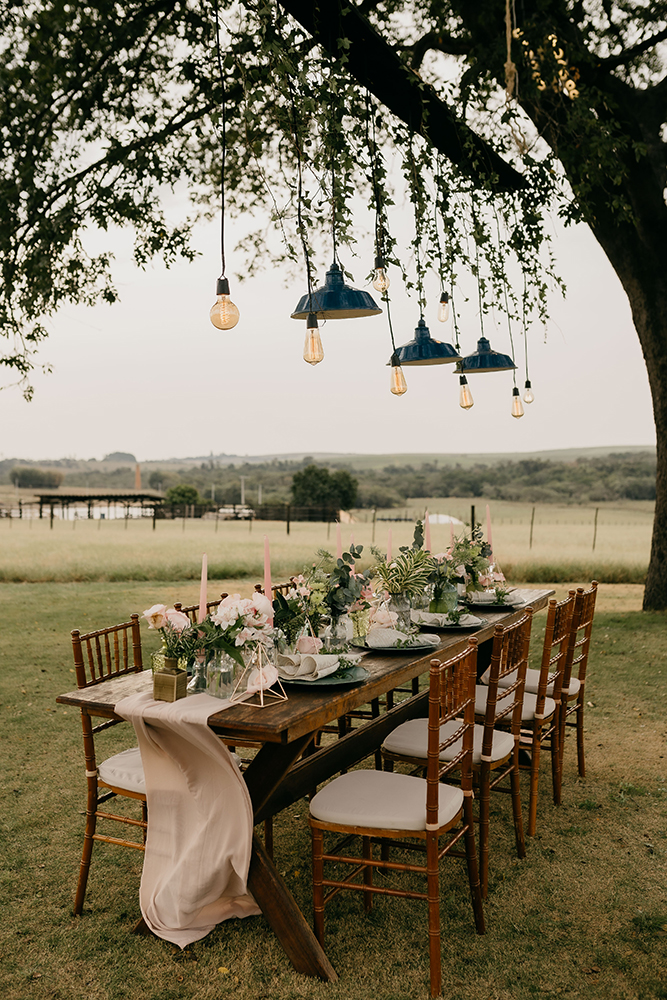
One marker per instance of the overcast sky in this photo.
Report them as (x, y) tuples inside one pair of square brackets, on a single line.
[(152, 376)]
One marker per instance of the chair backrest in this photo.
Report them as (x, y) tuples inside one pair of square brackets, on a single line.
[(555, 650), (581, 627), (108, 652), (451, 698), (277, 588), (192, 610), (509, 658)]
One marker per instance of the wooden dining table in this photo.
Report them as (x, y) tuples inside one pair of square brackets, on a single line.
[(288, 765)]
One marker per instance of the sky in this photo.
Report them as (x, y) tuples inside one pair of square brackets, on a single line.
[(152, 376)]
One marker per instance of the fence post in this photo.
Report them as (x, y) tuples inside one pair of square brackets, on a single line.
[(532, 522), (595, 528), (472, 518), (287, 514)]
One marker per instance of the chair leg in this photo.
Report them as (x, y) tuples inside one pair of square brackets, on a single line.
[(318, 888), (473, 871), (268, 836), (91, 823), (534, 780), (144, 816), (580, 736), (433, 893), (517, 815), (368, 873), (556, 759), (484, 805)]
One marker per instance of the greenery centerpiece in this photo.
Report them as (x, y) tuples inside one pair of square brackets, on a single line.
[(404, 578), (445, 594), (179, 636)]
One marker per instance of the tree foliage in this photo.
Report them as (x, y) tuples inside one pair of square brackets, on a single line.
[(315, 486)]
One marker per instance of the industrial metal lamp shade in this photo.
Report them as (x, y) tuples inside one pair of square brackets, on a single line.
[(336, 300), (424, 350), (486, 360)]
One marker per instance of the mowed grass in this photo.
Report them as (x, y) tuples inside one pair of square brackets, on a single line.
[(584, 915), (117, 550)]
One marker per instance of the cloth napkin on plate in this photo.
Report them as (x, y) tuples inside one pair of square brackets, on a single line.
[(442, 620), (386, 638), (309, 666)]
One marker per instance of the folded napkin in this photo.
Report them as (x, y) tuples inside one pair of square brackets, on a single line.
[(441, 620), (308, 666), (387, 638)]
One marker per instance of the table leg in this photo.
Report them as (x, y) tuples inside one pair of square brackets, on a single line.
[(286, 919), (263, 777)]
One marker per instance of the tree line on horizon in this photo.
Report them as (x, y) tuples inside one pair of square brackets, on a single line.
[(622, 476)]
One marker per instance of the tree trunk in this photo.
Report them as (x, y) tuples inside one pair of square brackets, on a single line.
[(637, 256)]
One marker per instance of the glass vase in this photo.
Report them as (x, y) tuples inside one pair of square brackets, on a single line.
[(221, 672), (400, 604), (197, 683), (445, 599)]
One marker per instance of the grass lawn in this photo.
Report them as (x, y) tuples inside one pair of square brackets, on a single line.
[(584, 915)]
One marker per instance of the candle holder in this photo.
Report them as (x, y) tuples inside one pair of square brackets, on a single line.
[(259, 680)]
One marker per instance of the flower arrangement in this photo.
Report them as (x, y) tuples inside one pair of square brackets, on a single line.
[(470, 559), (237, 623), (178, 633), (443, 572)]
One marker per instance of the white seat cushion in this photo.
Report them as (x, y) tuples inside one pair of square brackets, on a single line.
[(124, 770), (382, 800), (527, 712), (533, 680), (411, 740)]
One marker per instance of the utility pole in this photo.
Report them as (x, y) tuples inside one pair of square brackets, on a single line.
[(242, 491)]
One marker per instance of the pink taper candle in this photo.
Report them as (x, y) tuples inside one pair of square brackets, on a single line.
[(488, 527), (389, 546), (339, 542), (202, 589), (268, 592), (427, 532)]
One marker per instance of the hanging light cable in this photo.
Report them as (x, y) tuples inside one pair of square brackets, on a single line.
[(224, 314), (528, 396)]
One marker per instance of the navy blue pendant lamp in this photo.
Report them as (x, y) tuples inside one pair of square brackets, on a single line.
[(424, 350), (336, 300), (486, 360)]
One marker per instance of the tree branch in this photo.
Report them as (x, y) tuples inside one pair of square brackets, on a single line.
[(348, 36), (611, 62), (439, 42)]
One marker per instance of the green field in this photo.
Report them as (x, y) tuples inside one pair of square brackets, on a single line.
[(583, 915), (116, 550)]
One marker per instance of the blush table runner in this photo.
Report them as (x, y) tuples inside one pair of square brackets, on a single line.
[(200, 819)]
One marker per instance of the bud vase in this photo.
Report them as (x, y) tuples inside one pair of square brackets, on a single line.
[(400, 603), (445, 599), (221, 671)]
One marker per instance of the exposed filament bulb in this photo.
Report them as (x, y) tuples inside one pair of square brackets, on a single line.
[(381, 280), (517, 405), (528, 396), (313, 352), (465, 395), (397, 384), (224, 314), (443, 308)]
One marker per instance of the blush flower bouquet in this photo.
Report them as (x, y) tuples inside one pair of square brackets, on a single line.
[(179, 635)]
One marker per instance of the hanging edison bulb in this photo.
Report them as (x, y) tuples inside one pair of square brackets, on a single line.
[(443, 308), (381, 280), (528, 396), (465, 395), (224, 314), (517, 405), (397, 385), (313, 352)]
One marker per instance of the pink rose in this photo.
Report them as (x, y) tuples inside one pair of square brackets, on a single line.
[(156, 616), (309, 644), (177, 619), (260, 681), (381, 618), (262, 605)]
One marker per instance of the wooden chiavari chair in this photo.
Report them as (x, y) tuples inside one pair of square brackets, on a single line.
[(408, 812), (573, 699), (98, 657), (496, 739)]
